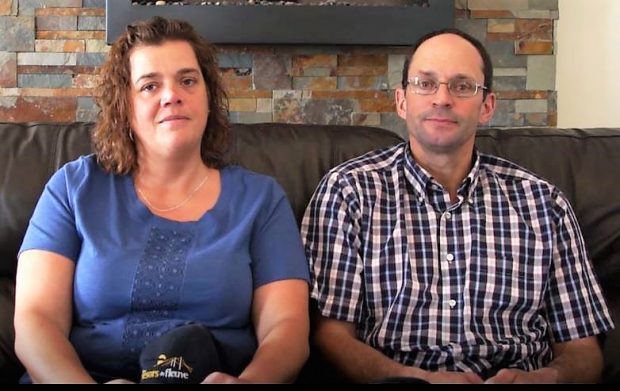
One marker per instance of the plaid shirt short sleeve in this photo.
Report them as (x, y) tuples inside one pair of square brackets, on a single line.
[(572, 282), (484, 283), (333, 220)]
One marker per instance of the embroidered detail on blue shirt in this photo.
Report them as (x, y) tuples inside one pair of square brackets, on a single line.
[(157, 286)]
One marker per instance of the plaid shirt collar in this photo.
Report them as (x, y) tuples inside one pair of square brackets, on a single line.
[(426, 189)]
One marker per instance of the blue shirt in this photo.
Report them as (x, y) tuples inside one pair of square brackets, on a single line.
[(484, 283), (139, 275)]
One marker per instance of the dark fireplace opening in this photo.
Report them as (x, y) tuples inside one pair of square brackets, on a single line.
[(422, 3), (300, 22)]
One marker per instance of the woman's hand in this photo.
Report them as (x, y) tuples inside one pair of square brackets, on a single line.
[(221, 378), (119, 381)]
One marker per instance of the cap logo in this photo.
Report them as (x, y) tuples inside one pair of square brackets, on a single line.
[(168, 368)]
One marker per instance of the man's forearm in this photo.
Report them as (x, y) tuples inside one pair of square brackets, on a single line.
[(579, 361), (360, 362)]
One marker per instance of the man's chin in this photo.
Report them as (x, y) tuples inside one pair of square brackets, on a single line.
[(442, 149), (443, 145), (441, 125)]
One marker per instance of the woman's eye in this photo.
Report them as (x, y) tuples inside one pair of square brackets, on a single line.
[(189, 82), (148, 87)]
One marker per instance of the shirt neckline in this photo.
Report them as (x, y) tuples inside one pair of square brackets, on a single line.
[(143, 212), (420, 179)]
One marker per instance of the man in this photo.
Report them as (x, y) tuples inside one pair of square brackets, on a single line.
[(433, 261)]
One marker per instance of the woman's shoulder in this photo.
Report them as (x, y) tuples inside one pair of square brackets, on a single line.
[(248, 176), (247, 180), (83, 164), (80, 170)]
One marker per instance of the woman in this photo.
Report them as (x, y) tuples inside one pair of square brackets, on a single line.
[(154, 231)]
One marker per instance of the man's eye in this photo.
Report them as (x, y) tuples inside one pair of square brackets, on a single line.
[(426, 84), (463, 86), (189, 82)]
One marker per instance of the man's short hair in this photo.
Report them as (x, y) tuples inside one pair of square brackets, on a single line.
[(487, 65)]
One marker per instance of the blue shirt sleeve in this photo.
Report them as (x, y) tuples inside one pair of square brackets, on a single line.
[(277, 251), (53, 225)]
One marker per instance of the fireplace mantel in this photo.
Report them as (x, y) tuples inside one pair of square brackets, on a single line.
[(296, 24)]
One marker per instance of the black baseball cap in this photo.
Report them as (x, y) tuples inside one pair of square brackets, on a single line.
[(186, 355)]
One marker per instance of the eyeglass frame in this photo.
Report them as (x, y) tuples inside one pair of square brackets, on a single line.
[(415, 82)]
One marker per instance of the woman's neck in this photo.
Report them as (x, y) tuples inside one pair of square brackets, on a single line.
[(158, 173)]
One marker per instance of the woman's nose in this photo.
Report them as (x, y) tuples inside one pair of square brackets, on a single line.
[(170, 95)]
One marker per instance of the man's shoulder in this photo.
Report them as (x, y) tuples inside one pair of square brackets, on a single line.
[(374, 161), (510, 171)]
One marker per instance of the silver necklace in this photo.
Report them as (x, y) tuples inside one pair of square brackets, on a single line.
[(177, 206)]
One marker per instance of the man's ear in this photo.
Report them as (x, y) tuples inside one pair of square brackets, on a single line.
[(401, 102), (487, 109)]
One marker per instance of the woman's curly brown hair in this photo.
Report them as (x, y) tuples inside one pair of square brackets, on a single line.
[(112, 142)]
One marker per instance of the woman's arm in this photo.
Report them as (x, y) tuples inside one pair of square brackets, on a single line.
[(280, 317), (43, 317), (281, 320)]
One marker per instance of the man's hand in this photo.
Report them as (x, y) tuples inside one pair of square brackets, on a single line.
[(518, 376), (454, 378)]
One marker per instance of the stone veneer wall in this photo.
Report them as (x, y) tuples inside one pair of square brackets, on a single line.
[(50, 51)]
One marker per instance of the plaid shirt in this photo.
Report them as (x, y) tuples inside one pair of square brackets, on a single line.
[(479, 285)]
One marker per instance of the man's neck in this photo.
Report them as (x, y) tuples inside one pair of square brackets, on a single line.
[(448, 169)]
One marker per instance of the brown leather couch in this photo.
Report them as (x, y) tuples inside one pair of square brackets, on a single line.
[(581, 162)]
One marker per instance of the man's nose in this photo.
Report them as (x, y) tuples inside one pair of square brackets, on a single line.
[(443, 97)]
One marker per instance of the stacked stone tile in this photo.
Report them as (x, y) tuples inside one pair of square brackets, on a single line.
[(50, 51)]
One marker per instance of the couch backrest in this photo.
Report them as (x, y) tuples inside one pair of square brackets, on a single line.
[(29, 155), (297, 155), (582, 163)]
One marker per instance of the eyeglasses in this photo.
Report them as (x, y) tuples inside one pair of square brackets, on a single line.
[(461, 87)]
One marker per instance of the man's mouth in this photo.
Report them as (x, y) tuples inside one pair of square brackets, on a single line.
[(441, 120)]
